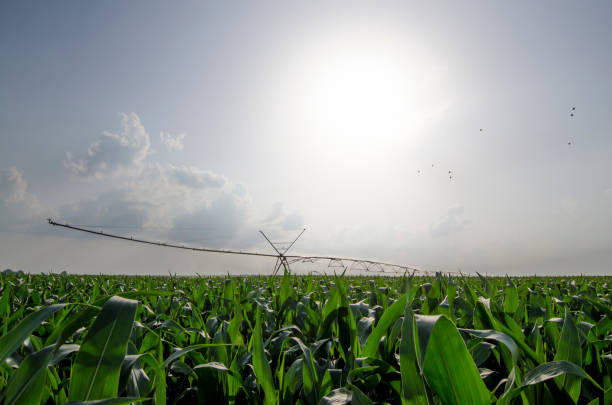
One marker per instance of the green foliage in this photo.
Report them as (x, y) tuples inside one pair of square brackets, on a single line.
[(304, 340)]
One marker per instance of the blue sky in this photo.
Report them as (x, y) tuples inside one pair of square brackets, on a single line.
[(204, 122)]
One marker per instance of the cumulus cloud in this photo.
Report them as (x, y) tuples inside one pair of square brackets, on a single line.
[(112, 208), (14, 190), (114, 154), (292, 221), (170, 202), (20, 206), (192, 177), (217, 224), (172, 142), (286, 221), (450, 223)]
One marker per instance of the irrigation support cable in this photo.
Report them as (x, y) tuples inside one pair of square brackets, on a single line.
[(281, 258)]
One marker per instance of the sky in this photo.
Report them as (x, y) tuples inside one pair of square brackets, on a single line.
[(473, 137)]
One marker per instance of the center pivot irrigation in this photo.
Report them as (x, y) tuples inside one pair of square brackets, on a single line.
[(282, 258)]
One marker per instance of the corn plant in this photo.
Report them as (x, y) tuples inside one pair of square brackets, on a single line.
[(76, 339)]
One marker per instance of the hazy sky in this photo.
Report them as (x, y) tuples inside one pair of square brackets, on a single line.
[(429, 134)]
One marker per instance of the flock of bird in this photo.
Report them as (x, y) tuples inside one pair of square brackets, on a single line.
[(569, 143), (450, 173)]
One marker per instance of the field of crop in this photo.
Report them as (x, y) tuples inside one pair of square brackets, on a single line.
[(304, 340)]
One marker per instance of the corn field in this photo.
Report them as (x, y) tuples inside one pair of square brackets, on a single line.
[(72, 339)]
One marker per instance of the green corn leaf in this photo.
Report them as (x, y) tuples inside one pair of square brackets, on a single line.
[(160, 378), (234, 384), (234, 327), (211, 374), (347, 328), (263, 372), (15, 337), (413, 386), (210, 378), (310, 381), (425, 325), (184, 351), (498, 337), (95, 373), (62, 352), (444, 355), (292, 380), (110, 401), (392, 314), (327, 384), (329, 314), (554, 369), (341, 396), (569, 350), (130, 367), (286, 291), (511, 301), (71, 323), (27, 383), (5, 308), (359, 398)]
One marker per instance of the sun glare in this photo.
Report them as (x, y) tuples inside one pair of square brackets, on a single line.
[(365, 95)]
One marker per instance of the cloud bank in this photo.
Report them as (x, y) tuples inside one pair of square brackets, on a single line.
[(179, 203), (114, 154)]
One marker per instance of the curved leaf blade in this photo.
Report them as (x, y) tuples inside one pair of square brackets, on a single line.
[(554, 369), (12, 340), (26, 385), (340, 396), (569, 350), (446, 353), (263, 372), (392, 314), (413, 386), (96, 370)]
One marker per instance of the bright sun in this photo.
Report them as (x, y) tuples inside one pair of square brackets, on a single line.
[(358, 95)]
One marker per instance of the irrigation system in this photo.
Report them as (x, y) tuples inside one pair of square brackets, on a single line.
[(283, 259)]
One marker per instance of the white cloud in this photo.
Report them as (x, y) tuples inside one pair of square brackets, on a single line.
[(20, 206), (164, 201), (450, 223), (192, 177), (285, 221), (112, 208), (14, 190), (292, 221), (114, 154), (276, 213), (172, 142), (172, 203)]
